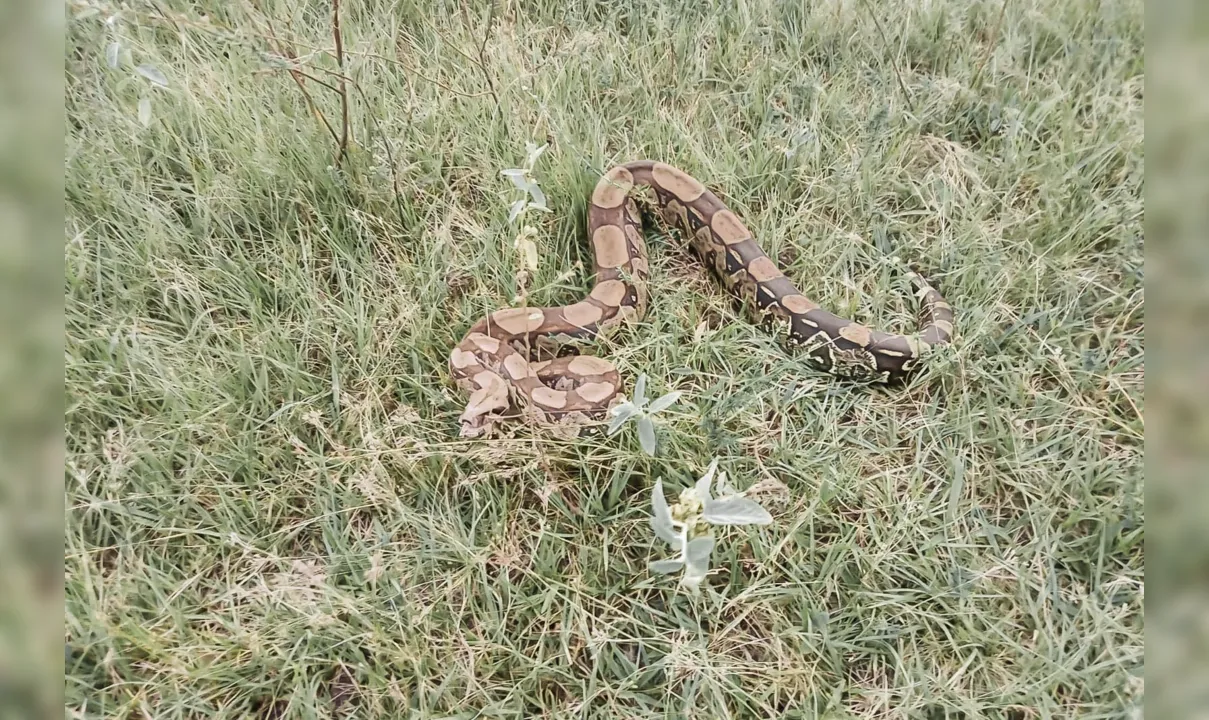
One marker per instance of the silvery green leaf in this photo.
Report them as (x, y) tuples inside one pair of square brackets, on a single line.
[(517, 208), (112, 53), (724, 487), (661, 519), (665, 566), (698, 551), (534, 153), (696, 560), (665, 401), (640, 391), (153, 74), (518, 178), (621, 413), (702, 488), (527, 185), (646, 434), (735, 511), (539, 197), (145, 111)]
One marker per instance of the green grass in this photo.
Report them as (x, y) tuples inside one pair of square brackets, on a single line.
[(270, 514)]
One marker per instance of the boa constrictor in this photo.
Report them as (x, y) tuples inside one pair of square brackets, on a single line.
[(493, 364)]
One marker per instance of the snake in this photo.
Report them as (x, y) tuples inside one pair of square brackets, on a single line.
[(525, 360)]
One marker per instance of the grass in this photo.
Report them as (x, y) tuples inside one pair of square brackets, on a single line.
[(270, 514)]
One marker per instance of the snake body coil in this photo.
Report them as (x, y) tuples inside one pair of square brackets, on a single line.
[(492, 361)]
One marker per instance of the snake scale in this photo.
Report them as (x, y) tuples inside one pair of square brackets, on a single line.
[(492, 363)]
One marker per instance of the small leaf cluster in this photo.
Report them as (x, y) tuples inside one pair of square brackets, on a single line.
[(116, 55), (636, 408), (688, 525), (534, 198), (524, 181)]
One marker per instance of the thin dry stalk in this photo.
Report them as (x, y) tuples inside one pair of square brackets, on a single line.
[(284, 50), (342, 151), (482, 49)]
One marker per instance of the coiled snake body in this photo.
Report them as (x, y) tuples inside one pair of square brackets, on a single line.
[(492, 361)]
